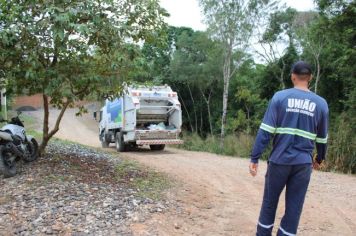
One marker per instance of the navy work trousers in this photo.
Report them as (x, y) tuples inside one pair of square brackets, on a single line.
[(296, 179)]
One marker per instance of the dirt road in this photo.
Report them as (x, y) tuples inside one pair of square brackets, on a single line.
[(217, 196)]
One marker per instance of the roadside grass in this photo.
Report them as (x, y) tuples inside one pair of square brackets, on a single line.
[(234, 145), (149, 183), (341, 154), (67, 142)]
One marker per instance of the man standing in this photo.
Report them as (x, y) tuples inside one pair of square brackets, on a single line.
[(297, 118)]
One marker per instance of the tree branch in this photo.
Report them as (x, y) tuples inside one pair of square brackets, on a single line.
[(58, 121)]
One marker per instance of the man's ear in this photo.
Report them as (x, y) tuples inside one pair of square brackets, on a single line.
[(310, 78), (292, 77)]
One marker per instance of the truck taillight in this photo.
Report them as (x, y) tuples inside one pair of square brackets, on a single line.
[(172, 95), (137, 94)]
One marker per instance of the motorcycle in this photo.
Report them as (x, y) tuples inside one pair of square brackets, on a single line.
[(15, 145)]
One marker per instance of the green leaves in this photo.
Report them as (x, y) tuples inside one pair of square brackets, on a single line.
[(71, 49), (280, 22)]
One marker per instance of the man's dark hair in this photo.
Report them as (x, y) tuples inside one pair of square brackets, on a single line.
[(302, 70)]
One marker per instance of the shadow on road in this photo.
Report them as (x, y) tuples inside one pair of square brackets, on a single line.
[(145, 151)]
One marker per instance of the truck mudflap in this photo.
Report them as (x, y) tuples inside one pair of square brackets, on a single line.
[(159, 141)]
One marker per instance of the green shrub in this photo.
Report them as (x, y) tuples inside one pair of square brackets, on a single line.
[(233, 145), (341, 155)]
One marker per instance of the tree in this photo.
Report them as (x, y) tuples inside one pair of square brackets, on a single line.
[(278, 34), (158, 53), (313, 45), (70, 49), (312, 39), (247, 107), (232, 22), (195, 64)]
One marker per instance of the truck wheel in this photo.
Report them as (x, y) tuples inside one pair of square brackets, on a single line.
[(119, 141), (158, 147), (104, 142)]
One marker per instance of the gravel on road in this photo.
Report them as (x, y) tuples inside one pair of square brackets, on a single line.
[(72, 190)]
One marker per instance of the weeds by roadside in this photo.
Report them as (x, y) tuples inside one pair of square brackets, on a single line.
[(237, 146), (149, 183), (341, 155), (84, 164)]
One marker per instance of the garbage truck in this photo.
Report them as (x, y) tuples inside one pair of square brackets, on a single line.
[(143, 115)]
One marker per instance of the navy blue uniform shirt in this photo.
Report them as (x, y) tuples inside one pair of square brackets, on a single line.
[(297, 119)]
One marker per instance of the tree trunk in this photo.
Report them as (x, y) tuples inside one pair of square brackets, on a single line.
[(282, 75), (195, 112), (207, 101), (45, 124), (227, 75), (47, 135), (317, 77), (189, 119), (248, 119), (201, 121)]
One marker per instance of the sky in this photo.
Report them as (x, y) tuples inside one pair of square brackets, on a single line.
[(188, 13)]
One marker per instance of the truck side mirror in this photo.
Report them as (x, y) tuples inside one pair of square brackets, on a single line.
[(94, 115)]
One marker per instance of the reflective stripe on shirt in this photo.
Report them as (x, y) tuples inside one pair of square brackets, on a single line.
[(293, 131), (321, 140), (268, 128)]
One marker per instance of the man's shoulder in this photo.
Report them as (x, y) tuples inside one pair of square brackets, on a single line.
[(319, 99), (291, 91), (282, 94)]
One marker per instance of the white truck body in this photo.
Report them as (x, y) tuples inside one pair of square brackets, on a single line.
[(142, 116)]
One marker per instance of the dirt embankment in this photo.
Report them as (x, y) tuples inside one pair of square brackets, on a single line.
[(217, 196)]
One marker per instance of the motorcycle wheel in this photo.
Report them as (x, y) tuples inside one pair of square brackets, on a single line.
[(7, 163), (32, 146)]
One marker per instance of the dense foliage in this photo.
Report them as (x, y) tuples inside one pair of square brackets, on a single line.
[(326, 39)]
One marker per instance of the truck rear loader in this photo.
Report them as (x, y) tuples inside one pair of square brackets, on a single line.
[(144, 115)]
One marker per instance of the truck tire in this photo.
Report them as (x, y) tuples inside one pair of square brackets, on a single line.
[(119, 142), (158, 147), (104, 142)]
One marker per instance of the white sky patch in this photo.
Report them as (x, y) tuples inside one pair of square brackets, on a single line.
[(184, 13), (188, 13), (301, 5)]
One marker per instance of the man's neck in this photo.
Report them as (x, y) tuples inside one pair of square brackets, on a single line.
[(302, 87)]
